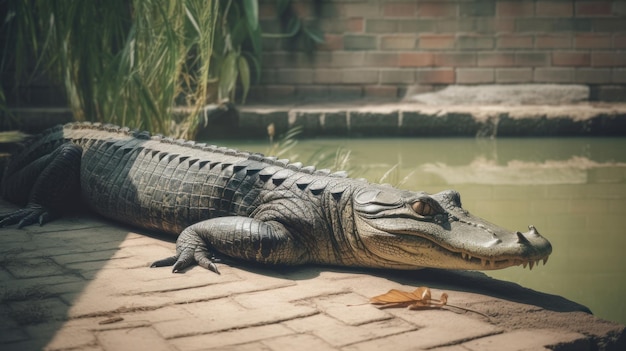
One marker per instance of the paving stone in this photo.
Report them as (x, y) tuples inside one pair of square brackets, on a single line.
[(233, 337), (254, 346), (132, 339), (436, 328), (300, 342), (529, 339), (35, 311), (58, 336), (294, 293), (35, 267), (338, 334), (225, 314), (351, 309), (101, 300), (12, 335)]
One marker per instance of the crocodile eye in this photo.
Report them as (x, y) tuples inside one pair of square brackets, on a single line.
[(423, 208)]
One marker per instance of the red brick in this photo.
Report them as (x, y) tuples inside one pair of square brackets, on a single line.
[(554, 9), (367, 10), (571, 58), (593, 8), (608, 59), (475, 75), (416, 59), (356, 25), (514, 75), (553, 75), (294, 76), (503, 25), (397, 76), (271, 92), (514, 42), (475, 42), (437, 41), (496, 59), (553, 41), (436, 76), (593, 41), (400, 9), (619, 41), (534, 59), (381, 59), (381, 91), (267, 11), (327, 76), (347, 58), (592, 76), (359, 76), (456, 59), (345, 91), (437, 9), (515, 9), (398, 42), (619, 76), (331, 42), (268, 76)]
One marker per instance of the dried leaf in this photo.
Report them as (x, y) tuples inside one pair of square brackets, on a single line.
[(420, 298)]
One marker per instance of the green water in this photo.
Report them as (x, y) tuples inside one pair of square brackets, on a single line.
[(572, 190)]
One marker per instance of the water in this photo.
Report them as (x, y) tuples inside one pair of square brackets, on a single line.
[(572, 190)]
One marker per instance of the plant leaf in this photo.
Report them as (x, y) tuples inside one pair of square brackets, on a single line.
[(314, 34), (228, 75), (420, 298), (251, 8), (244, 75)]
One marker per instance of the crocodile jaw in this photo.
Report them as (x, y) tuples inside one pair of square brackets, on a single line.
[(452, 239)]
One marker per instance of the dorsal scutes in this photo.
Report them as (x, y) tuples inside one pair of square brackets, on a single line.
[(296, 166), (322, 172), (281, 176), (318, 186), (304, 181), (266, 173)]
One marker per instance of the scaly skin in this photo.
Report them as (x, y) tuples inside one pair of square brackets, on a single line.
[(251, 207)]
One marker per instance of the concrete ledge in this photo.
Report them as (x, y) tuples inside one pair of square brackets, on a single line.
[(363, 119), (410, 119)]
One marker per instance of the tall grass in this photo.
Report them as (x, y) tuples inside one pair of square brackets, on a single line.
[(129, 62), (120, 61)]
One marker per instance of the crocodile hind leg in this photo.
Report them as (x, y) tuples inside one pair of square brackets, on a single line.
[(237, 237), (53, 181)]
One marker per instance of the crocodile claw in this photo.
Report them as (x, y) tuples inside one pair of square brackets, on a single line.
[(186, 259), (26, 216)]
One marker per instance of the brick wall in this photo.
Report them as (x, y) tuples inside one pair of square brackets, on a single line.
[(377, 48)]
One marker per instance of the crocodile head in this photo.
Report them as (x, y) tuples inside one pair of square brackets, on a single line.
[(404, 229)]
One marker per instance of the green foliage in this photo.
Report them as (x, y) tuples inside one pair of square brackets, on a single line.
[(129, 62)]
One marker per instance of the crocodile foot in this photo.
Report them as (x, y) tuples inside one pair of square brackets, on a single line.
[(185, 260), (26, 216)]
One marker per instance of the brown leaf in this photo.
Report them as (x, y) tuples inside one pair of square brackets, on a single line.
[(420, 298)]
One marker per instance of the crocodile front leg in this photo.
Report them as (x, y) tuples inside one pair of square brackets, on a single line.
[(53, 181), (237, 237)]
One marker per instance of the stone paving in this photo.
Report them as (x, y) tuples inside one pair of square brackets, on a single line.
[(83, 283)]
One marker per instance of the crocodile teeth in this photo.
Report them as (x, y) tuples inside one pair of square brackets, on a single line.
[(531, 264), (545, 260), (524, 264), (483, 262)]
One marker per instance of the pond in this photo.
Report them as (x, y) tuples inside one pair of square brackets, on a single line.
[(572, 189)]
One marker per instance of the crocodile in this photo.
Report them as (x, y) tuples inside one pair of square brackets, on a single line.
[(222, 202)]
